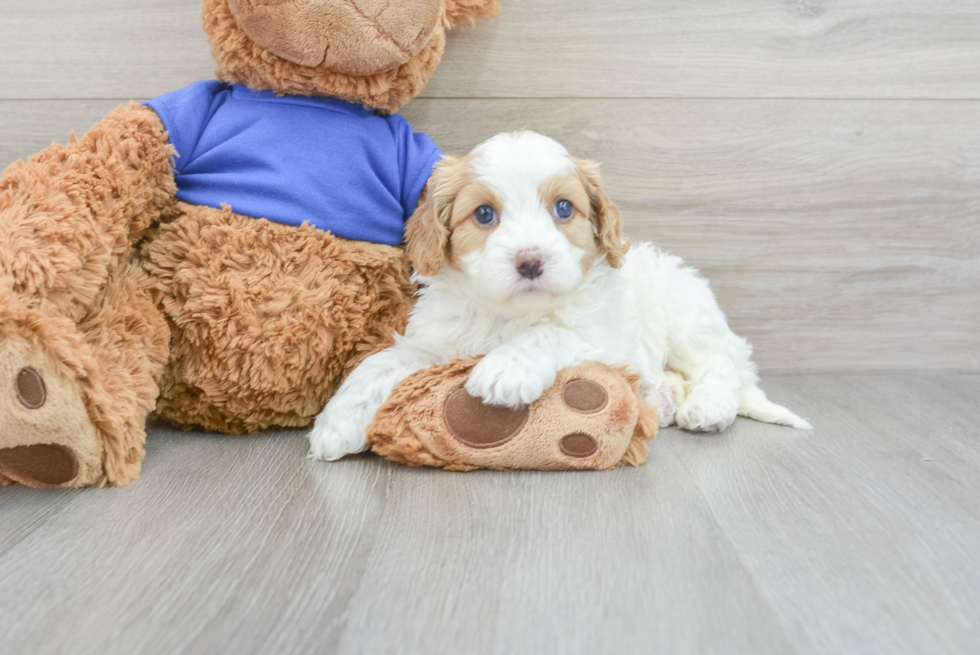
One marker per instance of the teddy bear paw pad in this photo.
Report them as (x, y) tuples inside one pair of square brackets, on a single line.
[(47, 464), (477, 425), (481, 426), (584, 396), (578, 444)]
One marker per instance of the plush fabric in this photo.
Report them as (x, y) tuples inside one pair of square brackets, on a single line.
[(413, 426), (354, 37), (74, 304), (296, 159), (243, 61), (118, 300), (268, 318)]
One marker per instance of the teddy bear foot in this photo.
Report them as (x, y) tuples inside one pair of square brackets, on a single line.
[(592, 418), (46, 436)]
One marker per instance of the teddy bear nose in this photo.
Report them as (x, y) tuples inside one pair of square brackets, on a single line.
[(530, 264)]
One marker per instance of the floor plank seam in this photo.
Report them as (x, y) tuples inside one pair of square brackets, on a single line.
[(47, 517)]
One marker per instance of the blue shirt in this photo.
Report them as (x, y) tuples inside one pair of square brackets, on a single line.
[(296, 159)]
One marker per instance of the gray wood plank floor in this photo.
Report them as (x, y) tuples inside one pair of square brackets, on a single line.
[(860, 537)]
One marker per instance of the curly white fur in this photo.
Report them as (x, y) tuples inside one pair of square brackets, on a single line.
[(654, 314)]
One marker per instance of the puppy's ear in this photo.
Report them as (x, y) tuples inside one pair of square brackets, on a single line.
[(465, 12), (427, 231), (607, 222)]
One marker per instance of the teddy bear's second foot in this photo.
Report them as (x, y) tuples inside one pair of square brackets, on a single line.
[(46, 436), (592, 417)]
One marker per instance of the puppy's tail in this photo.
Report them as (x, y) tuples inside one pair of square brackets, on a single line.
[(752, 402)]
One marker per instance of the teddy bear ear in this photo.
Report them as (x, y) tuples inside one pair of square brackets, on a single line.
[(465, 12)]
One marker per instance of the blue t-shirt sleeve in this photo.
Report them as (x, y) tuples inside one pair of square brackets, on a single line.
[(185, 114), (417, 156)]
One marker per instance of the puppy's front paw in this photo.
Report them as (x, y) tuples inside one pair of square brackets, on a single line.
[(508, 381), (708, 410), (332, 437)]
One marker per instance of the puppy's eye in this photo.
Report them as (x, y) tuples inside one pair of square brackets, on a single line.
[(485, 215), (563, 209)]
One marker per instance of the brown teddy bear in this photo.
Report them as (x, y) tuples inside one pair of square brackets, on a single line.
[(224, 255), (126, 289)]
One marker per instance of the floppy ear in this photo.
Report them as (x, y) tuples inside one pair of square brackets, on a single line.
[(607, 222), (459, 12), (427, 231)]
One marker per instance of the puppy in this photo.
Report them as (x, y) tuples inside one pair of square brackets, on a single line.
[(521, 257)]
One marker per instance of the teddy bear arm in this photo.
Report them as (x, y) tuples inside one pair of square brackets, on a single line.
[(130, 343), (73, 211)]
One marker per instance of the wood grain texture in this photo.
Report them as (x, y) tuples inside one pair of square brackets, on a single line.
[(874, 515), (860, 536), (838, 235), (547, 48)]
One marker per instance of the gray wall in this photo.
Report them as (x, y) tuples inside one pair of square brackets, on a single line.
[(819, 161)]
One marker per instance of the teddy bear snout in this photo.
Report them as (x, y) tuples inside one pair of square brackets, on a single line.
[(352, 37)]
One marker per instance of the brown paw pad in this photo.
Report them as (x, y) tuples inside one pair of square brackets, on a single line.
[(481, 426), (584, 396), (31, 391), (49, 464), (578, 444)]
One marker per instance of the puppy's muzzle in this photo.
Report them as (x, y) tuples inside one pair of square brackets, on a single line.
[(529, 263)]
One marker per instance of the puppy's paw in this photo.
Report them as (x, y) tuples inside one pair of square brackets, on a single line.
[(708, 410), (332, 436), (508, 381), (666, 398)]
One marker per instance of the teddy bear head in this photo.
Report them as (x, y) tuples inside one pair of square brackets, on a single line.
[(379, 53)]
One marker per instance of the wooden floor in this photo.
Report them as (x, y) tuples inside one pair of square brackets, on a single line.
[(862, 536)]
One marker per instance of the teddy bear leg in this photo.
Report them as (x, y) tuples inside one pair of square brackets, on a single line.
[(73, 307), (130, 341), (267, 319), (593, 417), (74, 397)]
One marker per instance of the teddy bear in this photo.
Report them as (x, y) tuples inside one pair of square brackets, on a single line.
[(223, 255)]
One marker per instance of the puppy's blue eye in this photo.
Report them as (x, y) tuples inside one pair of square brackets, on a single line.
[(485, 215), (563, 209)]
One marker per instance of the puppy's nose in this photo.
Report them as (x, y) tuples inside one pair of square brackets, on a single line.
[(530, 263)]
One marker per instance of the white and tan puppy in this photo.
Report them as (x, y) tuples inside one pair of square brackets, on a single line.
[(521, 257)]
